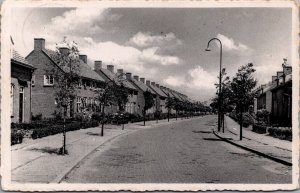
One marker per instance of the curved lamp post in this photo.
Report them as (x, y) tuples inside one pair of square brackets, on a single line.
[(220, 81)]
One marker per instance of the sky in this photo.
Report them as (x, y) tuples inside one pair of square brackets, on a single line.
[(165, 45)]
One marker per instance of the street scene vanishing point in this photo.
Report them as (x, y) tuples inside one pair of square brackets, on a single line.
[(149, 96)]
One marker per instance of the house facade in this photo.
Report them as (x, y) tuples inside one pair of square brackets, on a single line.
[(44, 89), (21, 76), (276, 97), (109, 75)]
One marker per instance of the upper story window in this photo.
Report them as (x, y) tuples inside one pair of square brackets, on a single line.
[(33, 80), (80, 83), (48, 80)]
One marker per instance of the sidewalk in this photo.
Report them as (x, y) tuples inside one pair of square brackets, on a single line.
[(260, 143), (37, 160)]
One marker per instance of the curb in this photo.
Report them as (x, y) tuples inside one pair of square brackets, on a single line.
[(254, 151), (62, 175)]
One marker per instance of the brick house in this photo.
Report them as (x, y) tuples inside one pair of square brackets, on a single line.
[(281, 113), (109, 75), (161, 98), (276, 97), (142, 88), (21, 76), (43, 86)]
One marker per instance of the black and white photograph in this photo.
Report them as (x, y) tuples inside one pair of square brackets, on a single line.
[(120, 95)]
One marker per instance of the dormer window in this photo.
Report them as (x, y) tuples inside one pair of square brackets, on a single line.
[(48, 80)]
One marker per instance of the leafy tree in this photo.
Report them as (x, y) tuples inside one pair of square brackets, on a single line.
[(242, 86), (149, 102), (66, 77), (170, 104), (113, 93)]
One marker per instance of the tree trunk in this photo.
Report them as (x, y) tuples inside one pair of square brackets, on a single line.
[(241, 122), (144, 117), (168, 114), (102, 124)]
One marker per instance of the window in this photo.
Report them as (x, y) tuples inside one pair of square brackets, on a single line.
[(33, 80), (12, 87), (79, 83), (78, 104), (48, 80)]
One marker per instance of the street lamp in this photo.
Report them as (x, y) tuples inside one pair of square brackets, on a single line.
[(220, 81)]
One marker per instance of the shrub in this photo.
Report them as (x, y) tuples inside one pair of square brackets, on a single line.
[(37, 117), (97, 116), (16, 136), (281, 132), (259, 128)]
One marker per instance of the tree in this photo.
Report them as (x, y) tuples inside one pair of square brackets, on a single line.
[(149, 102), (242, 86), (113, 93), (66, 77), (170, 104)]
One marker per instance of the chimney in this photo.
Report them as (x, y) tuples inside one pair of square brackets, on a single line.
[(64, 51), (128, 76), (83, 58), (136, 77), (110, 68), (39, 43), (120, 71), (153, 83), (157, 85), (161, 87), (142, 80), (274, 78), (279, 74), (98, 65), (148, 82)]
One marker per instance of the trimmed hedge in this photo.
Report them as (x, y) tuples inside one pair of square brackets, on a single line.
[(55, 129), (259, 128), (16, 136), (281, 133)]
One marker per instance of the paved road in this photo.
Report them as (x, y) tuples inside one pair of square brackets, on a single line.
[(184, 152)]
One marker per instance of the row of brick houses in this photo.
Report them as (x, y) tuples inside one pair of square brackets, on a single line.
[(39, 86), (276, 97)]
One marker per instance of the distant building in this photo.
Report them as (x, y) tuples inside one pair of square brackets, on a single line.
[(21, 76), (109, 75)]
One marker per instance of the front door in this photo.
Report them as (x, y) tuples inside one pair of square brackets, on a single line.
[(21, 104)]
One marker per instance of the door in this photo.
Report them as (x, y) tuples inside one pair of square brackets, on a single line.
[(21, 104)]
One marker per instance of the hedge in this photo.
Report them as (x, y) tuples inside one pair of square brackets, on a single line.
[(16, 136), (281, 133), (259, 128)]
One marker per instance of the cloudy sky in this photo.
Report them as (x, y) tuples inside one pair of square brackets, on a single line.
[(165, 45)]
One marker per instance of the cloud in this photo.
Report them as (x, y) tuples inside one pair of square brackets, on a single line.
[(146, 39), (174, 81), (195, 81), (151, 55), (230, 45), (80, 21)]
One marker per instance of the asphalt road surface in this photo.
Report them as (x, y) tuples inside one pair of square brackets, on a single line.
[(183, 152)]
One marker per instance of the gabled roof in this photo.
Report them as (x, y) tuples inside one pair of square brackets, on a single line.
[(113, 77), (167, 92), (85, 70), (142, 86), (176, 95), (158, 91), (19, 59)]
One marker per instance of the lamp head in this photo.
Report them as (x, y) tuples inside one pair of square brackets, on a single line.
[(207, 49)]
